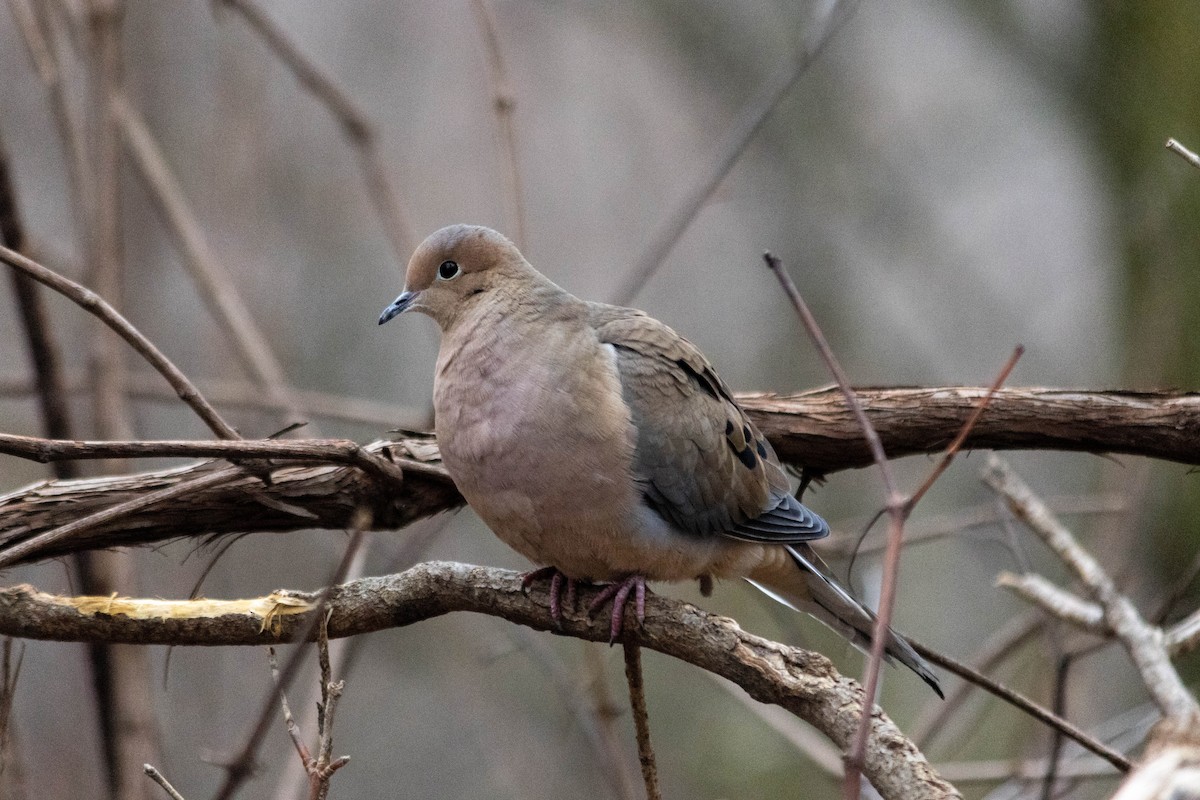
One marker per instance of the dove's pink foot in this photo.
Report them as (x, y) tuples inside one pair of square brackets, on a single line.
[(557, 579), (619, 594)]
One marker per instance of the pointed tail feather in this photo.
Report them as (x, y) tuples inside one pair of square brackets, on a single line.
[(807, 587)]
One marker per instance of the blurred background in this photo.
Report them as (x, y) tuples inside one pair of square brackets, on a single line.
[(944, 181)]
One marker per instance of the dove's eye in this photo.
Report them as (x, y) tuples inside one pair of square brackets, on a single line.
[(448, 271)]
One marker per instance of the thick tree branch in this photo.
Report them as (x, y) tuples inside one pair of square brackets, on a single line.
[(290, 498), (813, 429), (803, 682)]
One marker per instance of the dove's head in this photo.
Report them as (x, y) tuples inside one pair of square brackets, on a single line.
[(455, 268)]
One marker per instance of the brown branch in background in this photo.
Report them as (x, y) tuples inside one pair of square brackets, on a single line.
[(806, 429), (816, 430), (504, 101), (241, 394), (129, 734), (1184, 153), (671, 227), (210, 277), (9, 674), (96, 305), (354, 122), (48, 541), (803, 682), (641, 718)]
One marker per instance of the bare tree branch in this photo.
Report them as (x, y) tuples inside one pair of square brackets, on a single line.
[(1143, 641), (291, 498), (812, 429), (803, 682), (816, 429), (94, 304)]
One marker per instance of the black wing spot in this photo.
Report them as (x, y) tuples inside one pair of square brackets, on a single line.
[(700, 378), (746, 456), (762, 449), (728, 427)]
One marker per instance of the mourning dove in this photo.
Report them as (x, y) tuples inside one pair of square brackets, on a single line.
[(596, 441)]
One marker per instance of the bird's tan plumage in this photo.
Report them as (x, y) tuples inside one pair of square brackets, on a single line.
[(596, 440)]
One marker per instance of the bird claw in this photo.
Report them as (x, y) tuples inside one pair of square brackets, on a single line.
[(557, 579), (619, 594)]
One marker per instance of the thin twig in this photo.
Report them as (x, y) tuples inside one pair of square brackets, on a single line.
[(1187, 155), (241, 394), (1022, 702), (325, 765), (1001, 644), (504, 101), (96, 305), (343, 451), (641, 720), (967, 427), (354, 122), (289, 721), (158, 778), (896, 508), (756, 112), (9, 674)]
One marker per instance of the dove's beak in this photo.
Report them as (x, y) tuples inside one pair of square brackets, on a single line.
[(398, 306)]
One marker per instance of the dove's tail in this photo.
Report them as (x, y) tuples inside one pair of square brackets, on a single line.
[(805, 585)]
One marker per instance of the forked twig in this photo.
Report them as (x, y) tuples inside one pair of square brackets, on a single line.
[(239, 769), (898, 508)]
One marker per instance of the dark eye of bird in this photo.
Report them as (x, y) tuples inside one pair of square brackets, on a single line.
[(448, 270)]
